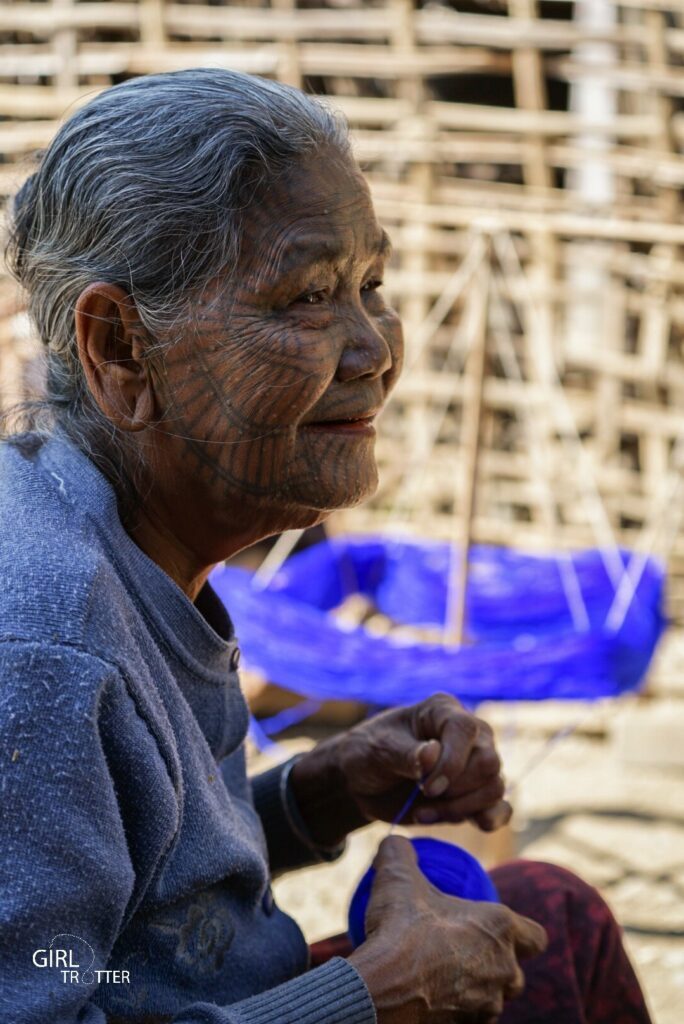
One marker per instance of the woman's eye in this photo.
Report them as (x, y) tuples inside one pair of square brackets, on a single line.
[(372, 286), (312, 298)]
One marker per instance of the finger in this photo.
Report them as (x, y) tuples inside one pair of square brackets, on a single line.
[(516, 986), (490, 1012), (407, 758), (394, 885), (529, 937), (442, 717), (396, 856), (483, 762), (427, 756), (482, 799), (494, 817), (461, 758)]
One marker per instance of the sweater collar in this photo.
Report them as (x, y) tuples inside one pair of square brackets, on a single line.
[(204, 642)]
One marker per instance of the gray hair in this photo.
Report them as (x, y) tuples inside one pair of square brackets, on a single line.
[(147, 187)]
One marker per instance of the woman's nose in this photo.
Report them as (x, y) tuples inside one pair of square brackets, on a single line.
[(366, 354)]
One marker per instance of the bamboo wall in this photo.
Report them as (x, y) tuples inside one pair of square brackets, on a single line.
[(527, 161)]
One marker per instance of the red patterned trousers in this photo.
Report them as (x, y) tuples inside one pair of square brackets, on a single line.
[(584, 977)]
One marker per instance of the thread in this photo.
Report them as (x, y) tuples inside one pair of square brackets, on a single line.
[(401, 814), (449, 868)]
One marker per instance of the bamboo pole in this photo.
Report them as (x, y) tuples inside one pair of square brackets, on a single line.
[(471, 434)]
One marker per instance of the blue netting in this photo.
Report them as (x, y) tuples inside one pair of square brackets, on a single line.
[(522, 642)]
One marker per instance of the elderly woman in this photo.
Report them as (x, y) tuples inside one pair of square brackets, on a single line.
[(203, 266)]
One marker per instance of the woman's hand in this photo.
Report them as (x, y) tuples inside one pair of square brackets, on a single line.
[(369, 772), (434, 959)]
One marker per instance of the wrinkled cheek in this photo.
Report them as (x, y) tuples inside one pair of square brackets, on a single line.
[(394, 335), (264, 465), (286, 402), (233, 452), (276, 383)]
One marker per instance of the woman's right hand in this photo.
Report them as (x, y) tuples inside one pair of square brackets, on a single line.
[(435, 959)]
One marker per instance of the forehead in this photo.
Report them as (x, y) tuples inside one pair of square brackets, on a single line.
[(320, 211), (306, 243)]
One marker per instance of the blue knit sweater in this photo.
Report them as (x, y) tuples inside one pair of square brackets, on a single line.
[(134, 852)]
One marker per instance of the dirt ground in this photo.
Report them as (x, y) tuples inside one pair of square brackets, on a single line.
[(597, 788)]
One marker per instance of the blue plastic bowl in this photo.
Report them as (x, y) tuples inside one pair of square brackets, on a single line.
[(450, 869)]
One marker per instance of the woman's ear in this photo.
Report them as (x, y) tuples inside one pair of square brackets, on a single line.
[(111, 346)]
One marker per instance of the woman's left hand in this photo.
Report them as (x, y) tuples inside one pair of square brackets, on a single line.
[(369, 772)]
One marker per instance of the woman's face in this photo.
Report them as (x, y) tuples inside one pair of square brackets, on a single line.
[(272, 392)]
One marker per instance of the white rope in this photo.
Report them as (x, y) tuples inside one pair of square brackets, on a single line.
[(667, 520), (566, 425), (452, 291), (549, 745), (513, 370)]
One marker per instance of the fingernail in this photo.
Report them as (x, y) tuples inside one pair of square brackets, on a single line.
[(427, 815), (438, 787), (428, 745), (419, 759)]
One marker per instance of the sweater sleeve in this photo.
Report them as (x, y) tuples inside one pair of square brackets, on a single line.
[(73, 857), (334, 993), (66, 877), (289, 844)]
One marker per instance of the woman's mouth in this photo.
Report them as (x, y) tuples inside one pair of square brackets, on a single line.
[(362, 425)]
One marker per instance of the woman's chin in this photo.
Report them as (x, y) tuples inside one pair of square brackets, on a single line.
[(344, 491), (353, 490)]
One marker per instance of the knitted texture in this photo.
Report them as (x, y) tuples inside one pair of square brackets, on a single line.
[(276, 805), (134, 874)]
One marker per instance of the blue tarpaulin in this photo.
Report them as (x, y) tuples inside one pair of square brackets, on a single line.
[(522, 644)]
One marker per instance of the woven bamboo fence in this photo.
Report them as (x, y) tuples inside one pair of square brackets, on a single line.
[(527, 161)]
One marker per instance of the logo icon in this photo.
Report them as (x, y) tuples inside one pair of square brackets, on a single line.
[(74, 958)]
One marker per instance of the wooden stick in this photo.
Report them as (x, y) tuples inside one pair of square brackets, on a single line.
[(470, 447)]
